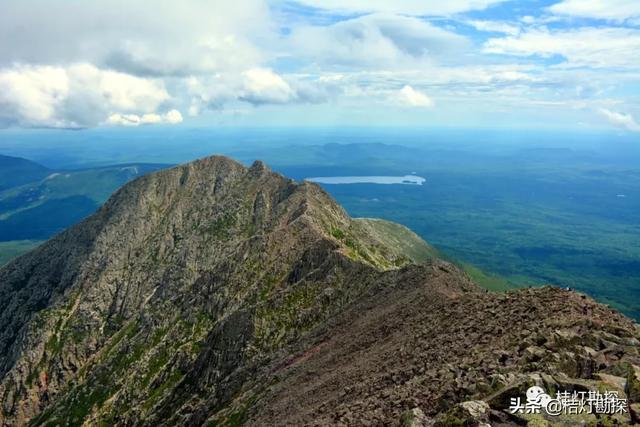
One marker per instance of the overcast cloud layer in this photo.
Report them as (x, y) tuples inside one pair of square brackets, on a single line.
[(93, 63)]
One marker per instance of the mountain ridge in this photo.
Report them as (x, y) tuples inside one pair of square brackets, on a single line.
[(255, 208), (194, 293)]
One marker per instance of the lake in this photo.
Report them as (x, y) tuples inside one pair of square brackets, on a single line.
[(406, 180)]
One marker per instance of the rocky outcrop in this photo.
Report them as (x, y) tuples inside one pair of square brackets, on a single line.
[(216, 294), (159, 305)]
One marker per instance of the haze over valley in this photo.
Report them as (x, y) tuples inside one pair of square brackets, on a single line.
[(525, 208)]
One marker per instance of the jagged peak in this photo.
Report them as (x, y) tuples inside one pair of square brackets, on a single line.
[(259, 167), (214, 161)]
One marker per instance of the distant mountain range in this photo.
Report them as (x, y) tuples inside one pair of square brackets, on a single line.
[(217, 294)]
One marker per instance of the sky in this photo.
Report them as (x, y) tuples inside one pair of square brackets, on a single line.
[(565, 64)]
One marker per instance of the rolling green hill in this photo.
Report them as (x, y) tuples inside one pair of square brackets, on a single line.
[(37, 203), (16, 171)]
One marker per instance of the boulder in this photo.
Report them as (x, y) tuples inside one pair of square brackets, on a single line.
[(416, 418), (478, 409), (618, 383)]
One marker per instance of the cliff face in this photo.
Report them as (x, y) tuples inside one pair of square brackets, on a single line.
[(216, 293)]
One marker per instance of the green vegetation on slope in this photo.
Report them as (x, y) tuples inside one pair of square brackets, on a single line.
[(488, 281), (398, 237), (406, 242)]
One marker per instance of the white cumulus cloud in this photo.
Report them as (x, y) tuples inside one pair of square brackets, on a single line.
[(625, 121), (118, 62), (495, 27), (597, 47), (263, 86), (411, 97), (79, 95), (614, 10), (408, 7), (171, 117), (83, 63), (142, 37), (33, 96), (379, 40)]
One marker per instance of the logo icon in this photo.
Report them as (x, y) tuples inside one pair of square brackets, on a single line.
[(583, 402)]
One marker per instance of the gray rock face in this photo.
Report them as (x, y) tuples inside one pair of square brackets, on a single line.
[(172, 290)]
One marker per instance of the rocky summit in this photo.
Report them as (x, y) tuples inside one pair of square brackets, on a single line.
[(216, 294)]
